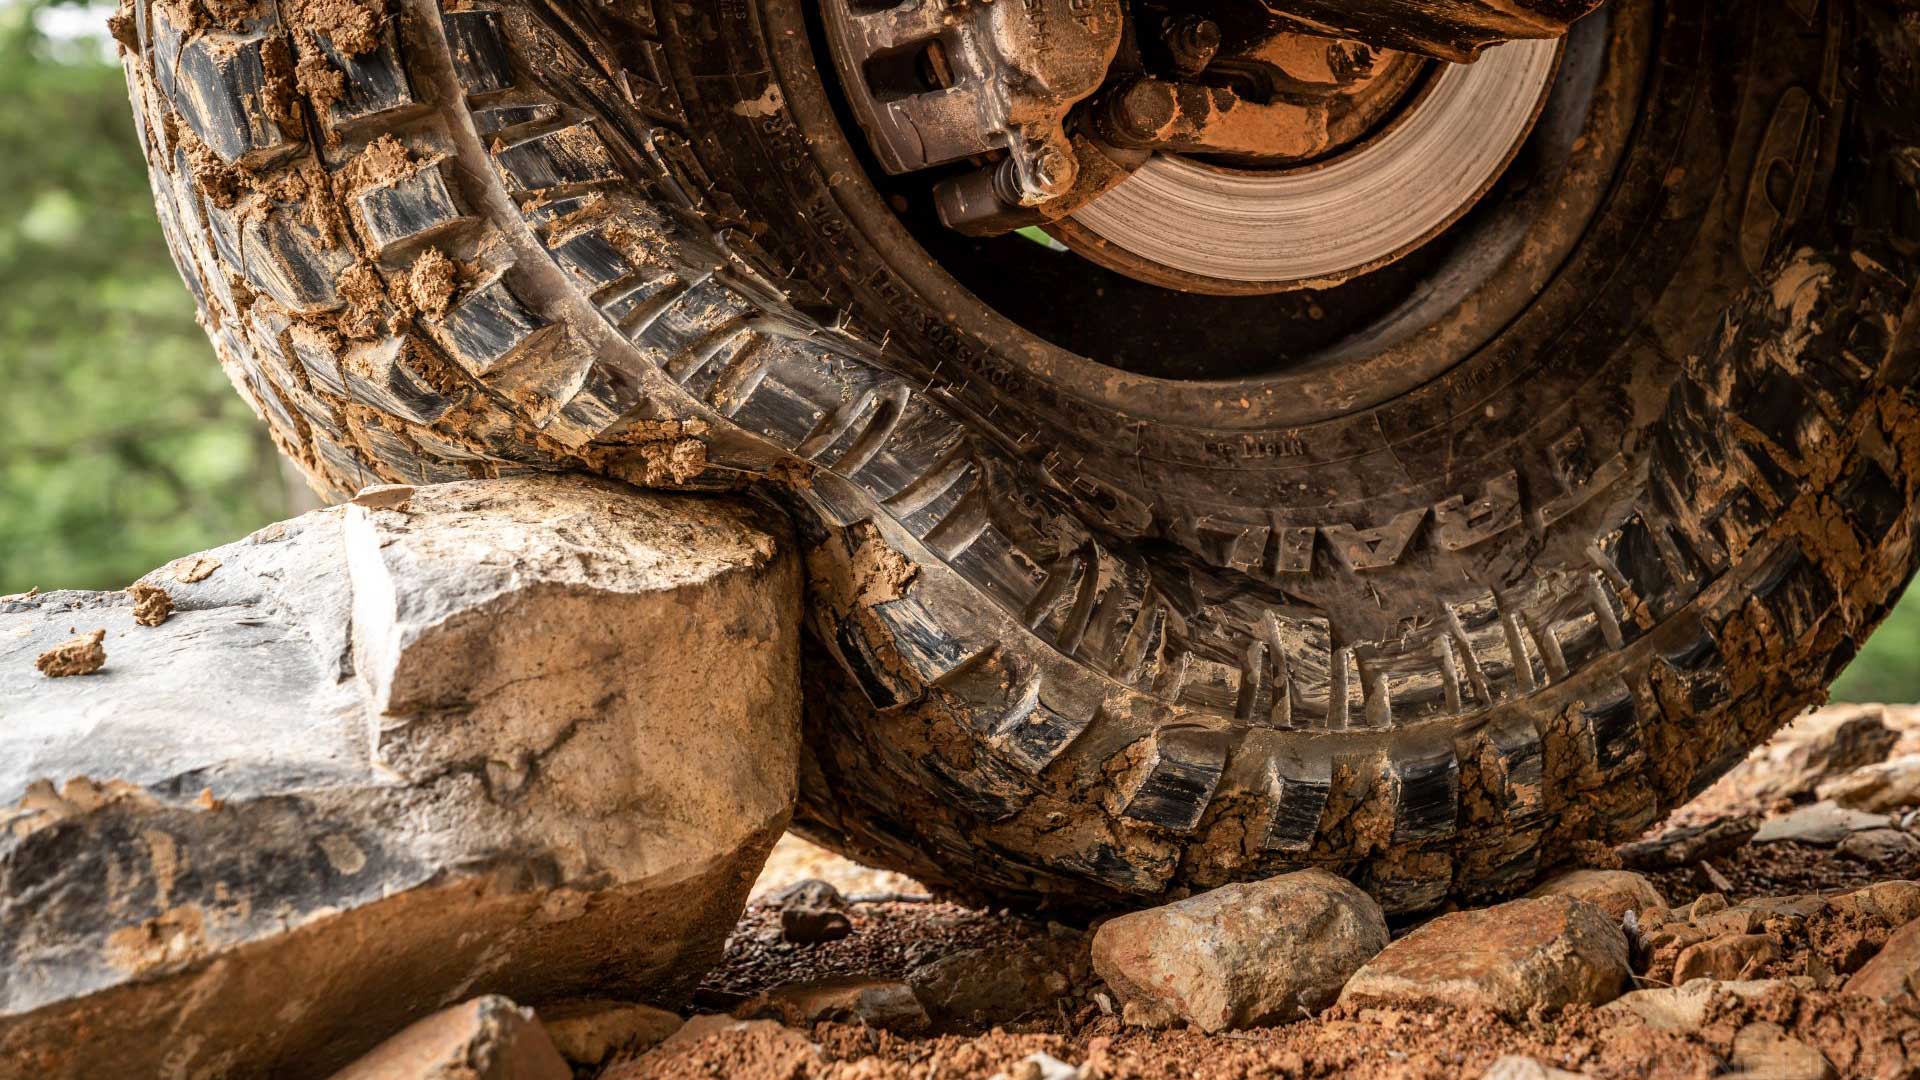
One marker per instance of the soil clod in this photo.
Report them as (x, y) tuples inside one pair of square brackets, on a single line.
[(151, 604), (81, 656)]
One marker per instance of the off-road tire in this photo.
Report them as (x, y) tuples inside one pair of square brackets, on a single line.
[(1078, 656)]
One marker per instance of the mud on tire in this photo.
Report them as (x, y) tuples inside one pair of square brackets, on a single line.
[(1062, 659)]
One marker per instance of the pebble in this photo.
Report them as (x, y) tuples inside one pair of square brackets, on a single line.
[(812, 912)]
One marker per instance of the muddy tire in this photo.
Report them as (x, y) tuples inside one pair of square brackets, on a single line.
[(1088, 641)]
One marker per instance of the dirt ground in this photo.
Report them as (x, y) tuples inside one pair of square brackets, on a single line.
[(895, 928)]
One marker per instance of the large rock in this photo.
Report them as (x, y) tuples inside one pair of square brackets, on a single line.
[(1241, 955), (1513, 958), (530, 737)]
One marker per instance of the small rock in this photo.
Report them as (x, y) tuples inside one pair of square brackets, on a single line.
[(1515, 1067), (1151, 1015), (1684, 1008), (151, 604), (1688, 845), (1880, 846), (384, 497), (1888, 785), (985, 986), (1894, 973), (1822, 824), (81, 656), (879, 1003), (1750, 916), (1244, 955), (1704, 905), (1041, 1066), (1709, 877), (1894, 903), (749, 1048), (1725, 959), (487, 1038), (588, 1031), (1615, 892), (1764, 1051), (812, 912), (1512, 958)]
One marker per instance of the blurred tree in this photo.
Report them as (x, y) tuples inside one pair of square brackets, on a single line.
[(123, 445)]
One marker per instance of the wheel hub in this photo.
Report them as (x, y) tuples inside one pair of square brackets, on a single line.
[(1223, 146), (1186, 223)]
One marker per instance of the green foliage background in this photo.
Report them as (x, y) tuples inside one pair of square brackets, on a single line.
[(121, 443)]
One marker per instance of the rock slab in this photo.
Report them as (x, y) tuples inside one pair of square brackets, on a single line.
[(1243, 955), (1513, 958), (530, 737)]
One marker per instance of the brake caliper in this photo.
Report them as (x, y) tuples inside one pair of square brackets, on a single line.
[(938, 81)]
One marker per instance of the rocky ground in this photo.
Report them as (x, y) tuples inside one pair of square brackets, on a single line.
[(1770, 929)]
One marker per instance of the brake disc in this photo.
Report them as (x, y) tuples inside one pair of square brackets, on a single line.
[(1225, 229)]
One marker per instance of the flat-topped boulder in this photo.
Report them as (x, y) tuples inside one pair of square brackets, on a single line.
[(528, 737)]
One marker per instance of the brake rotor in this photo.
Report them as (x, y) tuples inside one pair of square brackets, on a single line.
[(1196, 225)]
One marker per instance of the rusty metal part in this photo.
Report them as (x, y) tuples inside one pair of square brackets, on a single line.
[(1281, 99), (938, 81), (984, 202), (1205, 228), (1453, 30)]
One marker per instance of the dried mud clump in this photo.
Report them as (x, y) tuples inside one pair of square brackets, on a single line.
[(385, 160), (365, 295), (195, 568), (353, 28), (151, 604), (81, 656), (431, 282), (659, 453), (319, 80)]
